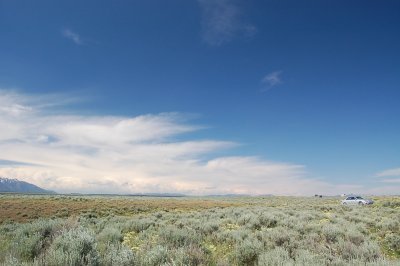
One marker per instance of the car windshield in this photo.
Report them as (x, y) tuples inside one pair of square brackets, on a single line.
[(359, 197)]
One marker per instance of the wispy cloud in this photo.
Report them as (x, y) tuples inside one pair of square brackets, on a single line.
[(394, 180), (118, 154), (73, 36), (390, 176), (389, 172), (272, 79), (222, 21)]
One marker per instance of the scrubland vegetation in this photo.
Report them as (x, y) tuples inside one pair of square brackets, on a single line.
[(197, 231)]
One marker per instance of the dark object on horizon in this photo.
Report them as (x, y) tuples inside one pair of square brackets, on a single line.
[(17, 186), (316, 195)]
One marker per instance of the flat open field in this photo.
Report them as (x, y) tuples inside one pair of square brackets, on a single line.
[(101, 230), (23, 208)]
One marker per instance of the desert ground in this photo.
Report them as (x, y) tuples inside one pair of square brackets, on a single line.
[(127, 230)]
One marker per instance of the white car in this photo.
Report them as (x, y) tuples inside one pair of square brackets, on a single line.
[(352, 200)]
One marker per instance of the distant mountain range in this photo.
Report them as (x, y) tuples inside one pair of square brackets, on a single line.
[(17, 186)]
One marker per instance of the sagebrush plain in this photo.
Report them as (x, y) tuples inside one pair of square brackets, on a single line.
[(101, 230)]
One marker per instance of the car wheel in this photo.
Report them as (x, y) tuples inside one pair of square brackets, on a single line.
[(360, 203), (344, 203)]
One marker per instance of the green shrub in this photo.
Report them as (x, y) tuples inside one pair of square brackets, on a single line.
[(138, 225), (366, 252), (305, 257), (393, 242), (246, 252), (158, 255), (110, 235), (177, 237), (332, 233), (268, 220), (275, 257), (354, 236), (74, 247), (29, 240), (209, 227), (188, 255), (117, 255)]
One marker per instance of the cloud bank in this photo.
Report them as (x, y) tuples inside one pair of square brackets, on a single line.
[(118, 154)]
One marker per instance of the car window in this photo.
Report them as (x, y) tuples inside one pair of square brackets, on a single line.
[(359, 198), (350, 198)]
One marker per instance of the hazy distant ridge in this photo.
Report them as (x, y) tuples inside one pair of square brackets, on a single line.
[(15, 185)]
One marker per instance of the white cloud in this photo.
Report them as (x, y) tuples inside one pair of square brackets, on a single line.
[(390, 176), (73, 36), (393, 180), (110, 154), (389, 172), (222, 22), (12, 105), (272, 79)]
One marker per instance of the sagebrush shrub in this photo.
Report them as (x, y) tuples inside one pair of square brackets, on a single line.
[(246, 252), (275, 257), (178, 237), (29, 240), (117, 255), (74, 247), (110, 235)]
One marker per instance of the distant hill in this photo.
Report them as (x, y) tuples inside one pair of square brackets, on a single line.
[(16, 186)]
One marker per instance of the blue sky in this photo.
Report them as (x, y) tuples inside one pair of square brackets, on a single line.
[(257, 92)]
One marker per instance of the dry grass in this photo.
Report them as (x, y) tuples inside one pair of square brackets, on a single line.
[(24, 208)]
